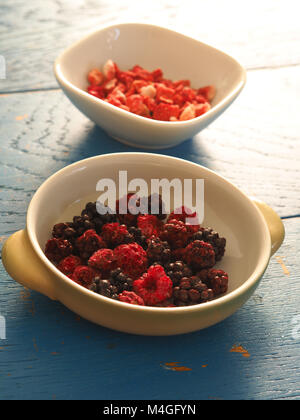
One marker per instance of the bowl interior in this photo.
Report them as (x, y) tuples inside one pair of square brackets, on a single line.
[(150, 46), (226, 209)]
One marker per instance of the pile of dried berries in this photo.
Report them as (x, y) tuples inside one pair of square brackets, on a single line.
[(144, 259), (148, 93)]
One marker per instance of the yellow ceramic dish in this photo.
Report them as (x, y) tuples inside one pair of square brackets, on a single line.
[(253, 231)]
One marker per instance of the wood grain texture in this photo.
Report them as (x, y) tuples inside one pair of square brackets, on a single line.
[(255, 143), (259, 34), (50, 353)]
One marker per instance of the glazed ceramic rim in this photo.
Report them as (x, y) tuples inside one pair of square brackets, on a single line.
[(251, 281), (214, 109)]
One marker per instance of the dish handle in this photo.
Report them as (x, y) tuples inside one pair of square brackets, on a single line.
[(24, 266), (274, 223)]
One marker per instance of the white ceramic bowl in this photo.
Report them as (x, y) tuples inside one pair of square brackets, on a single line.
[(252, 236), (179, 56)]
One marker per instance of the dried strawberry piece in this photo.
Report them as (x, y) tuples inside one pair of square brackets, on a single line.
[(164, 94), (137, 106), (110, 85), (157, 75), (150, 103), (95, 77), (131, 258), (131, 297), (154, 286), (164, 112), (200, 99), (109, 70), (142, 73), (188, 94), (208, 92), (149, 225), (68, 264), (188, 113), (180, 84), (148, 90), (97, 91), (201, 109)]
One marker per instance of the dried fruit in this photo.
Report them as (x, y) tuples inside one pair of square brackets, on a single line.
[(199, 254), (154, 286), (131, 297), (131, 258), (149, 94)]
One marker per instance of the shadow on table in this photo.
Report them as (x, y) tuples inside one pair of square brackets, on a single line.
[(97, 142)]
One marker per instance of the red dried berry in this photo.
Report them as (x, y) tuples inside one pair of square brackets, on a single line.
[(103, 260), (131, 297), (114, 234), (88, 243), (149, 224), (84, 275), (124, 209), (154, 286), (175, 233), (199, 254), (68, 264), (56, 249), (131, 258), (183, 213)]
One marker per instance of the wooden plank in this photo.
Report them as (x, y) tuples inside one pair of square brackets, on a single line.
[(251, 144), (50, 353), (259, 34)]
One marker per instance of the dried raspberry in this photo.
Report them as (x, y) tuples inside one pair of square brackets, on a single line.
[(175, 233), (217, 280), (132, 259), (199, 254), (149, 225), (131, 297), (114, 234), (68, 264), (103, 260), (84, 275), (183, 213), (88, 243), (56, 249), (125, 211), (154, 286)]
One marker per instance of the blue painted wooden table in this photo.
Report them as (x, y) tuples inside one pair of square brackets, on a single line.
[(48, 352)]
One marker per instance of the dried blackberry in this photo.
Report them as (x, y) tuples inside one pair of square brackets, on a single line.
[(88, 243), (91, 213), (212, 237), (158, 251), (191, 291), (199, 254), (104, 287), (136, 235), (120, 280), (177, 270), (217, 280), (64, 231)]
